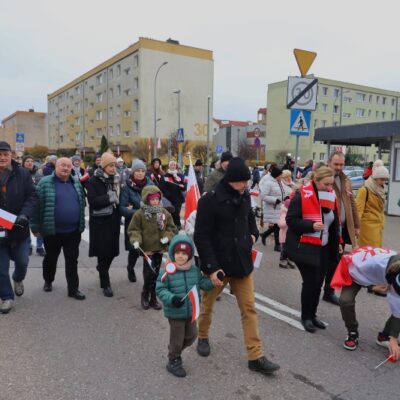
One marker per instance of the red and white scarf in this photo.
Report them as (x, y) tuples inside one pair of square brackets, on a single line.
[(311, 210)]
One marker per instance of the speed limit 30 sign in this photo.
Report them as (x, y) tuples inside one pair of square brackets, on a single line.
[(302, 93)]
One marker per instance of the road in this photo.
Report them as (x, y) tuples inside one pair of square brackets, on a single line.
[(56, 348)]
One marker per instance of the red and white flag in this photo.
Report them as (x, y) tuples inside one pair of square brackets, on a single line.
[(192, 193), (159, 144), (195, 301), (327, 199), (256, 257), (7, 219)]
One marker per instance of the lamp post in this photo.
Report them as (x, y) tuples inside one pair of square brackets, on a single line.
[(155, 109), (208, 135), (178, 93)]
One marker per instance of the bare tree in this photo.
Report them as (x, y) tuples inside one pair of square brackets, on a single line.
[(245, 151)]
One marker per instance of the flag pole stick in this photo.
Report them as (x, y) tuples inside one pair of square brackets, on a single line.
[(148, 259), (186, 295), (383, 362)]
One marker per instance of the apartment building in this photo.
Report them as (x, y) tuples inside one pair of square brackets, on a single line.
[(338, 104), (33, 126), (117, 98)]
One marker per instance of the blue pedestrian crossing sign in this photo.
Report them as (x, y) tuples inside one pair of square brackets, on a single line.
[(219, 149), (300, 122), (180, 136)]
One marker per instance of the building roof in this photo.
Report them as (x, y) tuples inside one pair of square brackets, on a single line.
[(145, 43), (224, 123), (30, 113), (262, 110), (378, 133)]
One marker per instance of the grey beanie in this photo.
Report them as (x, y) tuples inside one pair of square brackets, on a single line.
[(76, 157), (138, 164)]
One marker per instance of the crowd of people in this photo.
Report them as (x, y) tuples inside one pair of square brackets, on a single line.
[(311, 220)]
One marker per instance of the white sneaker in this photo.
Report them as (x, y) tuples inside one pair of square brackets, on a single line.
[(6, 306), (19, 288)]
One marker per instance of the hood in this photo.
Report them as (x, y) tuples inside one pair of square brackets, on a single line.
[(149, 190), (177, 239)]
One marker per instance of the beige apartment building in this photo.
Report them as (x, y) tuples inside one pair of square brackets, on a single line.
[(117, 98), (338, 103), (33, 126)]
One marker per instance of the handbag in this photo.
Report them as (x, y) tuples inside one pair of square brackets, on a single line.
[(103, 212)]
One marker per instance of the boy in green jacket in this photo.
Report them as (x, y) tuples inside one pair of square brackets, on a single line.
[(172, 288)]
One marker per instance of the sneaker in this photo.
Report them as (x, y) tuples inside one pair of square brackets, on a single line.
[(283, 264), (263, 365), (18, 288), (291, 264), (203, 347), (6, 306), (382, 340), (40, 252), (351, 342), (175, 368)]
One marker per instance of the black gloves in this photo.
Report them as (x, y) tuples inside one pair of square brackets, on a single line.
[(22, 221), (177, 301), (277, 202)]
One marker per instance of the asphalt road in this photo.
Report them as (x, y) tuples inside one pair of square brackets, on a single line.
[(53, 347)]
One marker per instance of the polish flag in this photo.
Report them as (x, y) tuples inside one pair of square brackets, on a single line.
[(256, 257), (327, 199), (192, 193), (7, 219), (159, 144), (195, 300)]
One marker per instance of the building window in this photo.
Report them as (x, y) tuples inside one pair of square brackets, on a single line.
[(324, 91), (99, 79), (370, 98), (321, 156), (99, 132), (335, 123), (369, 113), (77, 89), (77, 136), (136, 105), (118, 111), (127, 133), (136, 126), (110, 131), (127, 113), (99, 97), (118, 130), (118, 70), (314, 155), (383, 114), (315, 123), (324, 107), (335, 109), (377, 99), (323, 123), (127, 71), (383, 100), (336, 92), (360, 97), (377, 114), (347, 99), (110, 112), (78, 121), (136, 83), (118, 90), (110, 73), (393, 102), (360, 112), (99, 115), (392, 117), (111, 93), (127, 92), (346, 115), (86, 102)]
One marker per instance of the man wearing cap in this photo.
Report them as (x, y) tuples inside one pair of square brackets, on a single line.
[(225, 232), (350, 220), (17, 196), (49, 168), (215, 176), (60, 220), (199, 172)]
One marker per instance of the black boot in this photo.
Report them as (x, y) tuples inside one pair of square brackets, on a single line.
[(153, 303), (131, 273), (145, 300)]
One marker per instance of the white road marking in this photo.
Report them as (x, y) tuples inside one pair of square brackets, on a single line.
[(277, 305)]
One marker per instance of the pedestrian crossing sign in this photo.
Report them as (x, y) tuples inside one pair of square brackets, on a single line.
[(300, 122)]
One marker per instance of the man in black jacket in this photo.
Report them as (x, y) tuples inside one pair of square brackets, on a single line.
[(224, 234), (17, 196)]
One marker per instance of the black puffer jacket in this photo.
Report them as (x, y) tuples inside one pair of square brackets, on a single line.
[(18, 196), (224, 225)]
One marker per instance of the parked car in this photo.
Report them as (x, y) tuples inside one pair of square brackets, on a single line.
[(356, 177)]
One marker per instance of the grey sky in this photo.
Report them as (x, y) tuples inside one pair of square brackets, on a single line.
[(45, 44)]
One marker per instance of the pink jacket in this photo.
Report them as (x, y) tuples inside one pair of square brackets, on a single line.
[(282, 225)]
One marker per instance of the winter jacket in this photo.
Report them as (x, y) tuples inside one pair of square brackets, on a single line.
[(371, 211), (103, 231), (179, 284), (213, 179), (48, 169), (156, 176), (346, 197), (224, 225), (43, 221), (131, 195), (18, 197), (173, 188), (147, 232), (36, 176), (271, 190), (297, 226)]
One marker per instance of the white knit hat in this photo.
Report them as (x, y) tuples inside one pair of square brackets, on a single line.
[(380, 172)]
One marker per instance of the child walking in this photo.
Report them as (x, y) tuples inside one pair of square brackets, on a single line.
[(284, 262), (151, 229), (172, 287)]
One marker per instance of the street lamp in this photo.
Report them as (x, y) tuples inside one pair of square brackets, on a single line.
[(178, 93), (208, 135), (155, 109)]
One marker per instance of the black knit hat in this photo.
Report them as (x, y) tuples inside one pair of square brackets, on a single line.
[(237, 171), (198, 163), (26, 157), (154, 160), (275, 172), (226, 156)]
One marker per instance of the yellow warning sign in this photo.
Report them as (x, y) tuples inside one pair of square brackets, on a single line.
[(304, 60)]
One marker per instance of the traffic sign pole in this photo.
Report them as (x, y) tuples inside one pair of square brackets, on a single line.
[(296, 156)]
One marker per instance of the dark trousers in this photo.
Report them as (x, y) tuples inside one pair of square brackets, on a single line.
[(103, 266), (69, 243), (133, 255), (330, 271), (275, 230), (176, 215), (183, 332), (313, 277), (150, 273)]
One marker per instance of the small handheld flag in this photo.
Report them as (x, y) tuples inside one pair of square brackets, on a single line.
[(389, 358), (256, 257), (7, 219), (193, 295), (148, 260)]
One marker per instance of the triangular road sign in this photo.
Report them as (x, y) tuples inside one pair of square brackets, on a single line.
[(304, 60)]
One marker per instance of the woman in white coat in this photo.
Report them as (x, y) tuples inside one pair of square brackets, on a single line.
[(272, 196)]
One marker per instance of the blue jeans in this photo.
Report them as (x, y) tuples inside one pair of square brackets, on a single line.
[(19, 253)]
